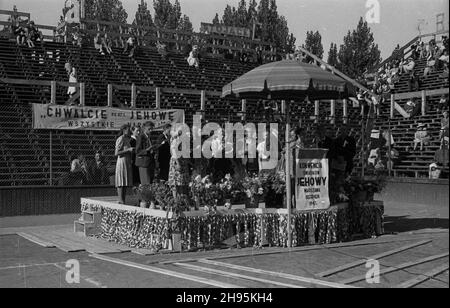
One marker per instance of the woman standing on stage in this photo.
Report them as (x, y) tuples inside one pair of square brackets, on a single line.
[(124, 172)]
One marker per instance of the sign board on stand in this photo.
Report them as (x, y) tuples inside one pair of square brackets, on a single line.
[(311, 180)]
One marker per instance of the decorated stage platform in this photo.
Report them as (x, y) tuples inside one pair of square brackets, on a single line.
[(136, 227)]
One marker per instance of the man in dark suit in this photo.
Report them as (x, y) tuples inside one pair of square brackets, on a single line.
[(164, 153), (145, 159), (133, 142)]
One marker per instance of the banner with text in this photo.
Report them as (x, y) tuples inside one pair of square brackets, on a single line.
[(95, 118), (311, 180), (225, 30)]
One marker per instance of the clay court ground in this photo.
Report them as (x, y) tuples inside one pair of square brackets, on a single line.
[(413, 253)]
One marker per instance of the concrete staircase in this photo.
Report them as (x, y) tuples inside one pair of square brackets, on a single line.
[(88, 224)]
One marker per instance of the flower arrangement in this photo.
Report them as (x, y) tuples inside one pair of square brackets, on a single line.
[(163, 194), (363, 189), (178, 205), (253, 187), (145, 193), (229, 189), (277, 182), (204, 192)]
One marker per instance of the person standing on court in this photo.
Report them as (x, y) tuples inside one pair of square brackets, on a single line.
[(164, 153), (124, 176), (145, 159)]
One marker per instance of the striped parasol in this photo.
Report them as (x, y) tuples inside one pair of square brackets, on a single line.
[(289, 80)]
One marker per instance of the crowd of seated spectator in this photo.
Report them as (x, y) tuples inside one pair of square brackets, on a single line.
[(77, 37), (103, 44), (443, 103), (421, 136), (441, 157), (390, 73), (440, 161), (84, 172), (162, 50), (130, 46), (29, 34), (193, 59), (412, 108), (379, 144), (437, 58), (444, 132), (26, 34)]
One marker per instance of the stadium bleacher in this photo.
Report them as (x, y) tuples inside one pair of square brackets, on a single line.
[(415, 163), (26, 152)]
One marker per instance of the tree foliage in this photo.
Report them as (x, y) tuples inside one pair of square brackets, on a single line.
[(169, 16), (105, 10), (359, 52), (216, 19), (274, 27), (313, 43), (143, 17), (185, 24), (333, 55)]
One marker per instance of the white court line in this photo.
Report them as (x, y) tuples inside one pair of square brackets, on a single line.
[(276, 274), (397, 267), (375, 257), (235, 275), (28, 265), (424, 277), (166, 272), (87, 279)]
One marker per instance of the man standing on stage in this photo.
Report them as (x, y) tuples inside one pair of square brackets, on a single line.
[(136, 132), (145, 159), (164, 153)]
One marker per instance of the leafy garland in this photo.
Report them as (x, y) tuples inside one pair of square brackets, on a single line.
[(204, 232)]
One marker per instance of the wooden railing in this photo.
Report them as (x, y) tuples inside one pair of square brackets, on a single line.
[(153, 35), (336, 71), (15, 13), (420, 94), (40, 27), (132, 88), (179, 38)]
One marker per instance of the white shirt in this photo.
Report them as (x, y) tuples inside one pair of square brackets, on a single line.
[(268, 160)]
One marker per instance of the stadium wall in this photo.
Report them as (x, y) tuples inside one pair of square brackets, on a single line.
[(29, 201), (416, 191)]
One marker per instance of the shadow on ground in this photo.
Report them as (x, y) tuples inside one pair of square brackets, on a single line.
[(406, 224)]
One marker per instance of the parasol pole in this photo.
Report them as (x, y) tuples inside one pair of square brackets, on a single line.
[(288, 173), (363, 142)]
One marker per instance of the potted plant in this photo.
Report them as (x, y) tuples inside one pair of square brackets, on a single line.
[(253, 188), (275, 189), (162, 194), (145, 196), (204, 193), (229, 190), (375, 185), (361, 190)]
